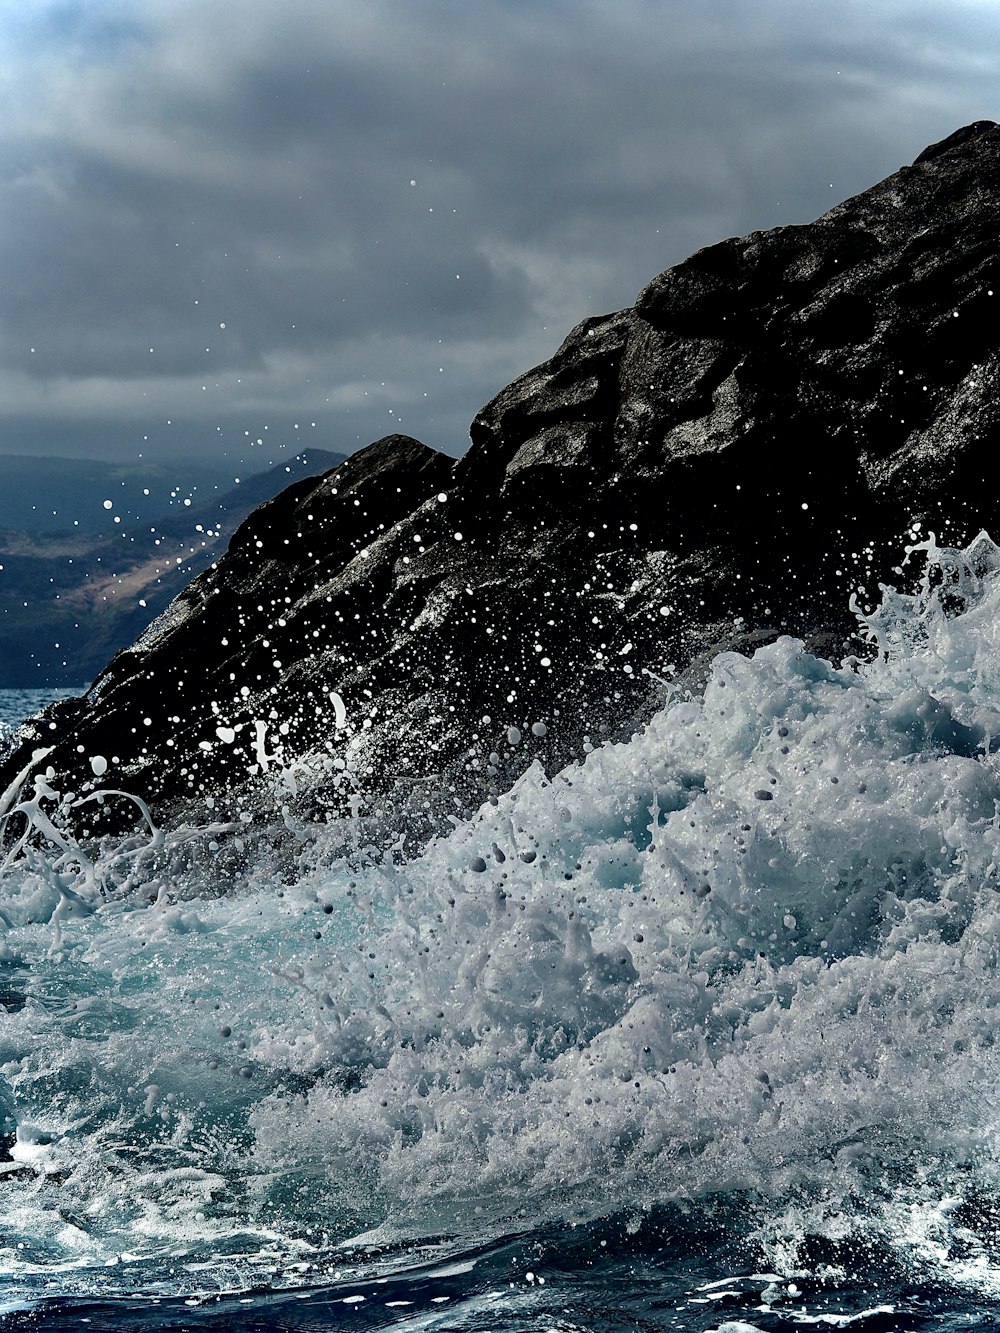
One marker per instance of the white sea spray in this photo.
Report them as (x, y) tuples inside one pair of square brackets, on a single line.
[(752, 951)]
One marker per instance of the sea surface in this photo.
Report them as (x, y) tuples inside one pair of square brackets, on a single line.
[(699, 1033), (17, 705)]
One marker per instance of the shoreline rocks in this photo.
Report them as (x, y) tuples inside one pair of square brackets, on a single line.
[(726, 461)]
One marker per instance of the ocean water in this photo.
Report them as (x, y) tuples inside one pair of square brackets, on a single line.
[(699, 1033), (18, 704)]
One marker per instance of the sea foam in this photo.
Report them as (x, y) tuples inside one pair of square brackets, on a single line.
[(751, 953)]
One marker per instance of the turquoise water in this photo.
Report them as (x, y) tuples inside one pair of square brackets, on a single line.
[(698, 1033)]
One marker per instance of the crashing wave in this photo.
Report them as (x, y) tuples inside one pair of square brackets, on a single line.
[(752, 952)]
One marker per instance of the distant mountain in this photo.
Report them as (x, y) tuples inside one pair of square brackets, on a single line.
[(718, 465), (71, 596), (43, 495)]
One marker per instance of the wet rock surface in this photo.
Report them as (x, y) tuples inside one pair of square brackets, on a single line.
[(722, 463)]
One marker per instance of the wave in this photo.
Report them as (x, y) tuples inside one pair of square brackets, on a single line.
[(746, 960)]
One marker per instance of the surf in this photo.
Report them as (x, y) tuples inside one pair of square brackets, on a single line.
[(743, 964)]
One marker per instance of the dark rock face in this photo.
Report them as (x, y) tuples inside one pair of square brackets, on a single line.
[(721, 463)]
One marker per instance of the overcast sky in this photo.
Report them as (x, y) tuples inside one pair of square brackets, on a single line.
[(244, 218)]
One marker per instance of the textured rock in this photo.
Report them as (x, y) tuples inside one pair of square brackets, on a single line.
[(723, 462)]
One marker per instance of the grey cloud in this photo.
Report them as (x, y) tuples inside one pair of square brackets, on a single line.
[(166, 167)]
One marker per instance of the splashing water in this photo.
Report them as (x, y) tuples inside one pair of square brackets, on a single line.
[(744, 966)]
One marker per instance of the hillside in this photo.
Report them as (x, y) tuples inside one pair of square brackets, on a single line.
[(72, 595)]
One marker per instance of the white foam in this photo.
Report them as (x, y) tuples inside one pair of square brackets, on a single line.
[(688, 990)]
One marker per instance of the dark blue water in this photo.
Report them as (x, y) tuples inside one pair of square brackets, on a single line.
[(599, 1279), (18, 704)]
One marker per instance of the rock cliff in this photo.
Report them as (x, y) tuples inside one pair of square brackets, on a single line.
[(725, 461)]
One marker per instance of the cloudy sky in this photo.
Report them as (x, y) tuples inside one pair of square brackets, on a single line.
[(322, 220)]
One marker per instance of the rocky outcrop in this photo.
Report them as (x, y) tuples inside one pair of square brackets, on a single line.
[(723, 462)]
